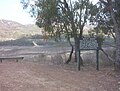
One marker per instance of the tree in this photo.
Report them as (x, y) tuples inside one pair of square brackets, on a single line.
[(62, 17), (110, 9)]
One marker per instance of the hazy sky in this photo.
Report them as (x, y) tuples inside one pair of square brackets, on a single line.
[(12, 10)]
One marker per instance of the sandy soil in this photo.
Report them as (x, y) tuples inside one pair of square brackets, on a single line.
[(37, 76), (31, 76)]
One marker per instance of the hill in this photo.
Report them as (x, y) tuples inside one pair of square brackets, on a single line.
[(10, 30)]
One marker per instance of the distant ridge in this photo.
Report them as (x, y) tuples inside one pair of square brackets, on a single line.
[(13, 30), (8, 25)]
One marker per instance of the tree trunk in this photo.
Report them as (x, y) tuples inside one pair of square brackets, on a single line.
[(117, 62), (116, 23), (70, 56), (76, 47), (77, 44)]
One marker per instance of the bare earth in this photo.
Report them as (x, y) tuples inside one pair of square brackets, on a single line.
[(31, 76), (36, 76)]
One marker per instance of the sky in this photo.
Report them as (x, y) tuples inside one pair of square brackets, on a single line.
[(12, 10)]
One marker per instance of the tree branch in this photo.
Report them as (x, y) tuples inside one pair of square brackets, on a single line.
[(110, 58)]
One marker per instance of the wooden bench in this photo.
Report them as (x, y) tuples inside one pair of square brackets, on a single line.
[(8, 58)]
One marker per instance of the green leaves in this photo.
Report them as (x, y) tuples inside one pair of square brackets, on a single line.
[(61, 16)]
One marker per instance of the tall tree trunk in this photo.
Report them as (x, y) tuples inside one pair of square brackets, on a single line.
[(76, 47), (117, 62), (77, 44), (70, 56), (116, 23)]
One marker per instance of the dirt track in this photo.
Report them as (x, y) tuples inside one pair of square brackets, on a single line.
[(30, 76)]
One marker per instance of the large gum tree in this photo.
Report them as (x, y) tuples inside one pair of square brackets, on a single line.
[(110, 11), (62, 17)]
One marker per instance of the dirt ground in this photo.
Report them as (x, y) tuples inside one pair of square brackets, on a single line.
[(34, 76), (37, 76)]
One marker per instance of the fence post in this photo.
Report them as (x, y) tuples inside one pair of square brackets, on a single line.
[(78, 61), (97, 59)]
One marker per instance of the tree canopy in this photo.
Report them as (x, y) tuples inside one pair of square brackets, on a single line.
[(110, 18), (62, 17)]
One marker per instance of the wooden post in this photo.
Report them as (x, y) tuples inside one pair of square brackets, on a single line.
[(97, 59), (78, 61)]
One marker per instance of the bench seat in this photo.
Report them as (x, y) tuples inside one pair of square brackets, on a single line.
[(8, 58)]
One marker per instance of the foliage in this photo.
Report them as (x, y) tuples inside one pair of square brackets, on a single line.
[(59, 17), (102, 20), (62, 17), (111, 10)]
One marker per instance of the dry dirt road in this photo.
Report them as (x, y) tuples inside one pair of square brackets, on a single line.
[(31, 76)]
